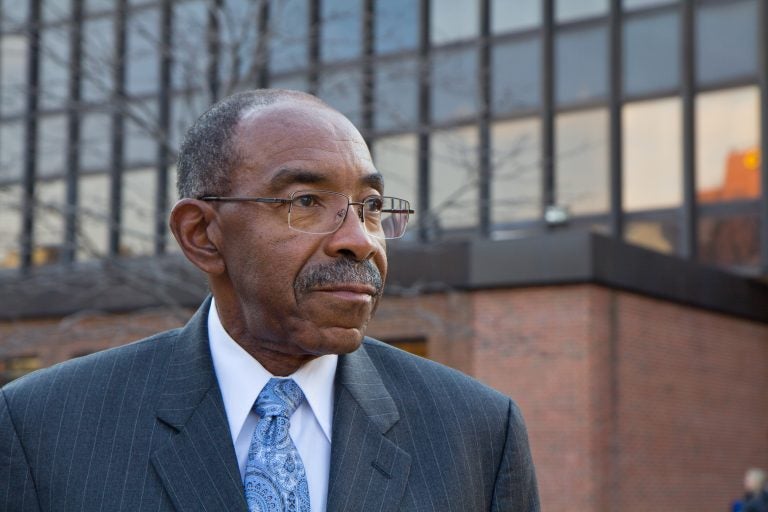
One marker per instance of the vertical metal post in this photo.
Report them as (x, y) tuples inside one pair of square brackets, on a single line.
[(118, 131), (164, 125), (762, 24), (262, 46), (615, 130), (314, 46), (214, 50), (688, 212), (30, 136), (368, 78), (547, 106), (484, 119), (73, 132), (424, 221)]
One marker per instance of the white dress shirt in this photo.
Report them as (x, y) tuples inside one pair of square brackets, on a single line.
[(241, 379)]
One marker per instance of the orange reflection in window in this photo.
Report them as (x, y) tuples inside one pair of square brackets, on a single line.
[(742, 178)]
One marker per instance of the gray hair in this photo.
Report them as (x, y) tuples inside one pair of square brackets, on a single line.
[(209, 154)]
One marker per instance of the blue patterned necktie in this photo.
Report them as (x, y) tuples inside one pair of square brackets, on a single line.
[(275, 480)]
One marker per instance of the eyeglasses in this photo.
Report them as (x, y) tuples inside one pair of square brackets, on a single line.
[(321, 212)]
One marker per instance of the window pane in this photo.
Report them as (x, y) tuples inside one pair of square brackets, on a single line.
[(239, 36), (341, 29), (340, 88), (639, 4), (141, 135), (49, 221), (99, 5), (569, 10), (516, 171), (727, 155), (581, 167), (516, 78), (10, 225), (95, 140), (652, 155), (98, 59), (54, 10), (54, 67), (454, 84), (452, 20), (509, 15), (186, 109), (189, 64), (731, 240), (142, 53), (52, 146), (396, 25), (397, 94), (396, 158), (13, 74), (11, 150), (139, 189), (289, 25), (726, 41), (651, 53), (298, 82), (454, 179), (661, 233), (581, 65), (13, 18), (93, 216)]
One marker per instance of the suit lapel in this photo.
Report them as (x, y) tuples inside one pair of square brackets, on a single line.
[(368, 471), (197, 466)]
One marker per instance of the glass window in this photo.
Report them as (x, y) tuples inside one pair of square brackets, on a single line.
[(516, 171), (239, 34), (730, 239), (93, 216), (660, 233), (13, 74), (396, 158), (396, 25), (727, 154), (54, 10), (190, 50), (397, 94), (581, 165), (142, 52), (652, 156), (289, 29), (99, 5), (52, 146), (95, 141), (296, 82), (453, 20), (49, 221), (98, 59), (569, 10), (454, 180), (141, 137), (11, 150), (581, 65), (509, 15), (54, 67), (639, 4), (13, 18), (10, 225), (516, 80), (341, 88), (651, 53), (341, 30), (726, 41), (186, 109), (138, 229), (454, 84)]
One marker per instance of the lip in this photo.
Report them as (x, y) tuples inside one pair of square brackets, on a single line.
[(349, 291)]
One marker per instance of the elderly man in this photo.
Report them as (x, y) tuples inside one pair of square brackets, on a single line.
[(270, 398)]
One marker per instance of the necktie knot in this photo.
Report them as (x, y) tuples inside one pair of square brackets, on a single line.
[(280, 397)]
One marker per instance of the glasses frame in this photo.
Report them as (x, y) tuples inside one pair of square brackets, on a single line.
[(294, 195)]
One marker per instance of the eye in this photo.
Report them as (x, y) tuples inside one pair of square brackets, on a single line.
[(373, 204), (307, 201)]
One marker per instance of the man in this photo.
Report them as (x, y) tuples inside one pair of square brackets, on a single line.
[(284, 211)]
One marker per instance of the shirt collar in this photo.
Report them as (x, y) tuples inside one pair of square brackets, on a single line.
[(241, 378)]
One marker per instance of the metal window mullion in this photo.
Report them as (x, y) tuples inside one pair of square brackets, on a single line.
[(424, 221), (313, 77), (213, 33), (164, 125), (368, 79), (762, 23), (688, 212), (118, 131), (484, 125), (262, 46), (73, 132), (547, 106), (30, 136), (615, 128)]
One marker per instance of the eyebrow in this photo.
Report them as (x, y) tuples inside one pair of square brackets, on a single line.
[(289, 176)]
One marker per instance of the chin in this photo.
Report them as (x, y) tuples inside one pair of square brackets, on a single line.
[(339, 340)]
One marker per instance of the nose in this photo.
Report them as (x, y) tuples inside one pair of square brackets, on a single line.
[(352, 238)]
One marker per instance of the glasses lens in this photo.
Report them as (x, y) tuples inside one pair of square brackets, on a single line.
[(394, 217), (317, 211)]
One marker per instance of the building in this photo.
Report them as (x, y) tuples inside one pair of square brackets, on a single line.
[(592, 209)]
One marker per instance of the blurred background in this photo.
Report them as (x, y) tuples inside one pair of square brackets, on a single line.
[(591, 228)]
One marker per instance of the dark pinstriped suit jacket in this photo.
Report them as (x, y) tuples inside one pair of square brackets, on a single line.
[(143, 427)]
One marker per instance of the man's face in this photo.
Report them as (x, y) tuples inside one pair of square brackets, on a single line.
[(298, 293)]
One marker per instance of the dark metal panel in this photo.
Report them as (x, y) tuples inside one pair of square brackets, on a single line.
[(762, 24), (548, 149), (615, 131), (688, 217)]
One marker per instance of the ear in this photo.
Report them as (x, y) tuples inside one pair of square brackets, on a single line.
[(194, 224)]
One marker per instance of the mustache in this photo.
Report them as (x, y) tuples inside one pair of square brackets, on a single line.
[(344, 270)]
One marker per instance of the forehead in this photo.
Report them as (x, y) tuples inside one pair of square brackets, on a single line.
[(311, 141)]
